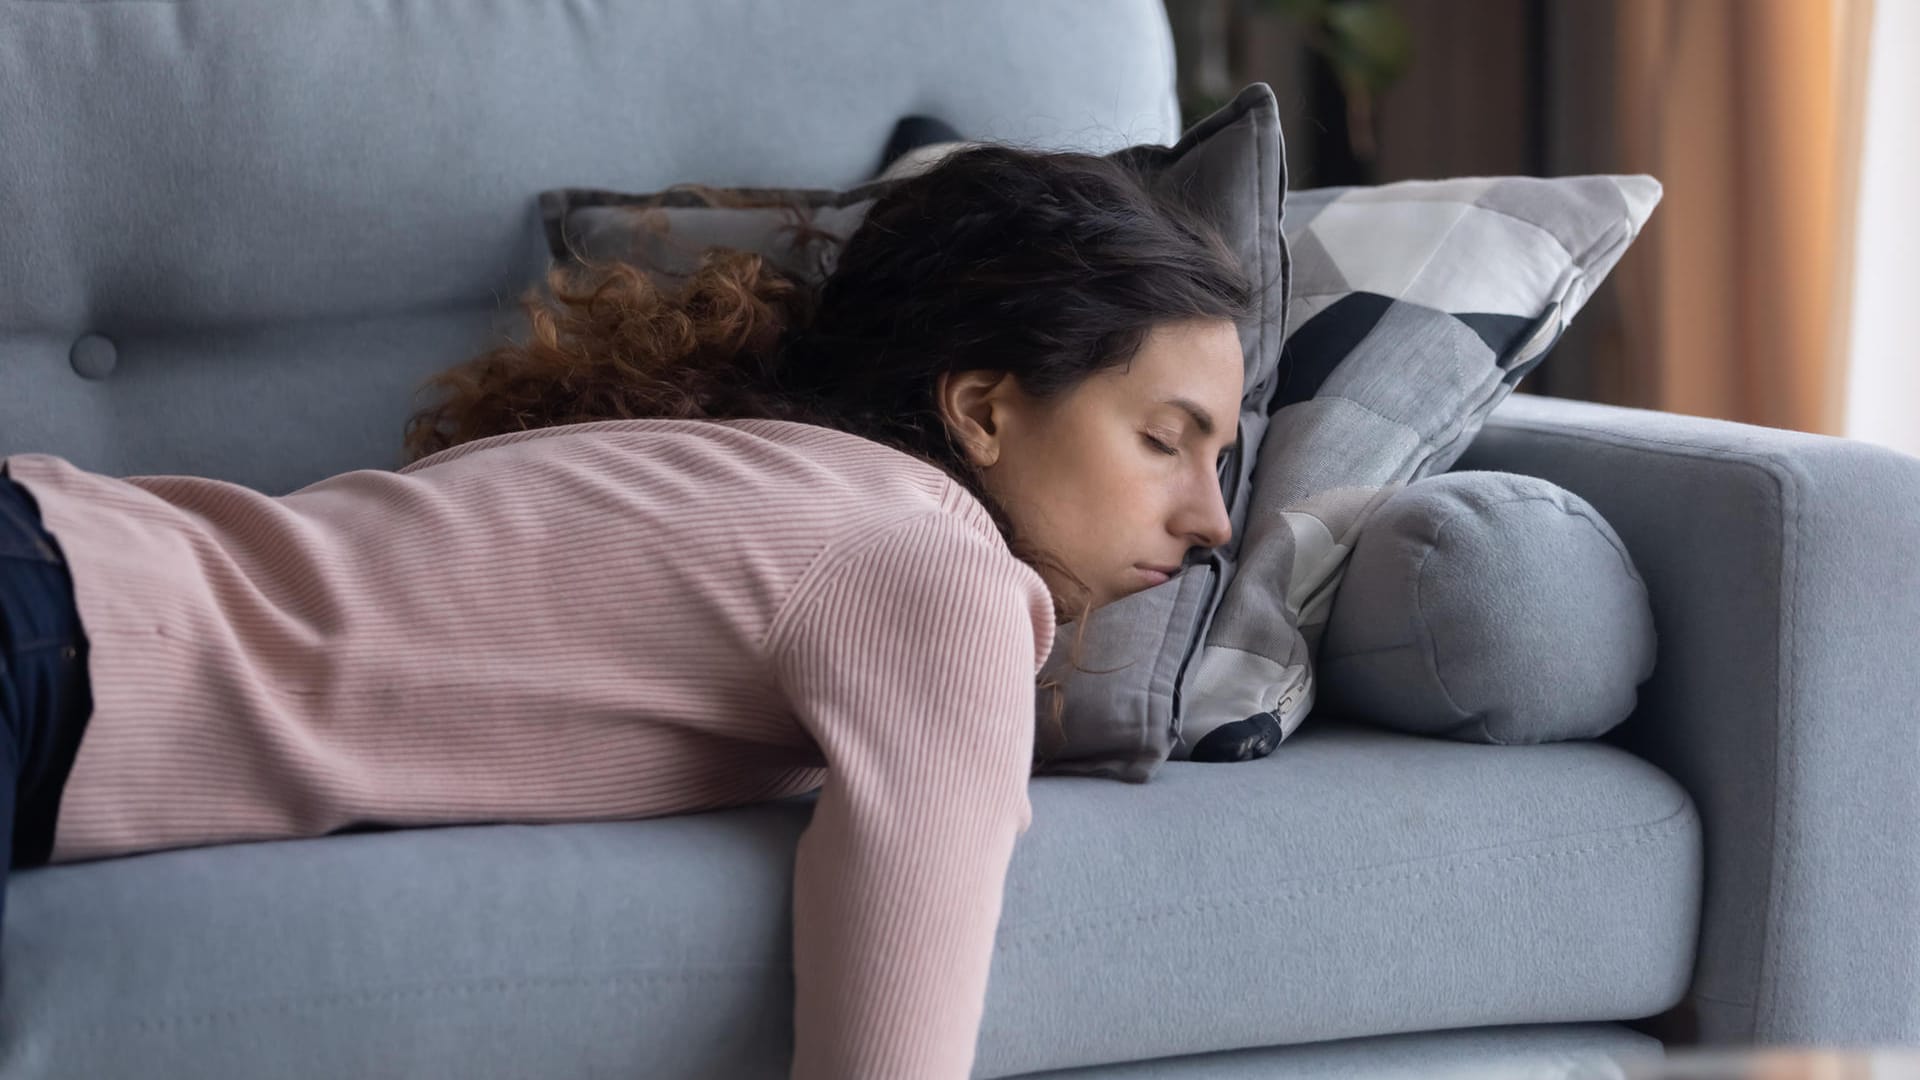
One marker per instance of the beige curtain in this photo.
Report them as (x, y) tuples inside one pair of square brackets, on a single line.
[(1734, 302)]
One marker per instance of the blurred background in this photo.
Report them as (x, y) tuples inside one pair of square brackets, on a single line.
[(1775, 284)]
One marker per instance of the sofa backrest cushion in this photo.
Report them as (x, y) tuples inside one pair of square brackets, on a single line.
[(234, 237)]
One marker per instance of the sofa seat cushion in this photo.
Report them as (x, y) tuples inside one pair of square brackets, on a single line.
[(1354, 882), (1357, 882)]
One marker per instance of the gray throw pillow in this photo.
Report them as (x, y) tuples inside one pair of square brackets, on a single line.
[(1229, 167), (1487, 607), (1415, 308)]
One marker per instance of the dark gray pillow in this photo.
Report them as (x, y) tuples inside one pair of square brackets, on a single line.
[(1229, 167), (1487, 607)]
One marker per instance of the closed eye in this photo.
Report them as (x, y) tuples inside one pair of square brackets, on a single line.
[(1174, 451)]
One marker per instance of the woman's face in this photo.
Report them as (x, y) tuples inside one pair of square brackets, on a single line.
[(1082, 478)]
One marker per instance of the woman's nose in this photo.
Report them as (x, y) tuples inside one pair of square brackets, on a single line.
[(1214, 525)]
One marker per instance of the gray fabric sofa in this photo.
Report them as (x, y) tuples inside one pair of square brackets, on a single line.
[(234, 236)]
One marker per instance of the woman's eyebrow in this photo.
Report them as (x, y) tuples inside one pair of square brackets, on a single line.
[(1200, 416)]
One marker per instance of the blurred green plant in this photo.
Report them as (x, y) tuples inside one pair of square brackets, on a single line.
[(1366, 44)]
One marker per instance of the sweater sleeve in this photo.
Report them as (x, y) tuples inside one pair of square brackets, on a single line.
[(911, 662)]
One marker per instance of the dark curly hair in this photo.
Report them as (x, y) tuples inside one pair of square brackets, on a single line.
[(1051, 266)]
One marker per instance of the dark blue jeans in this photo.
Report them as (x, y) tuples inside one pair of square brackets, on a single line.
[(45, 698)]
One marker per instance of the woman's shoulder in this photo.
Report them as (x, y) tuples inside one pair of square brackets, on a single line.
[(930, 577)]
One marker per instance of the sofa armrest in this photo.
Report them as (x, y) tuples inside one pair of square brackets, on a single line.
[(1782, 572)]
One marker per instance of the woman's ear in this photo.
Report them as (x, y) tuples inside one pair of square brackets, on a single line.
[(968, 401)]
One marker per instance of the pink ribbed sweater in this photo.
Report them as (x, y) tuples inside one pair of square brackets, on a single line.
[(619, 619)]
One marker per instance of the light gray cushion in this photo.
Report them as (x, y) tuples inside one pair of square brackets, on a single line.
[(1230, 166), (1396, 884), (1416, 307), (1488, 607)]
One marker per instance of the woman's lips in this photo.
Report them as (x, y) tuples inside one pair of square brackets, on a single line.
[(1156, 577)]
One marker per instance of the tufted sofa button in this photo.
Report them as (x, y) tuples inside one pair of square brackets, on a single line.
[(93, 356)]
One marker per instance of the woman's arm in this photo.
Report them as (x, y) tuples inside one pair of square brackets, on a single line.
[(912, 664)]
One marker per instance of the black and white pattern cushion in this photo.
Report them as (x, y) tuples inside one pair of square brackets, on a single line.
[(1415, 309)]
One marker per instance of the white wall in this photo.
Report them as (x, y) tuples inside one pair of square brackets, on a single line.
[(1883, 378)]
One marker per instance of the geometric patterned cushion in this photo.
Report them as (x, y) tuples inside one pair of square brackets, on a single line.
[(1513, 258), (1415, 308)]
